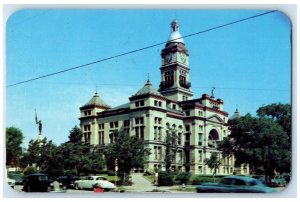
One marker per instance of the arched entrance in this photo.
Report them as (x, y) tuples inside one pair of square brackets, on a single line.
[(213, 138)]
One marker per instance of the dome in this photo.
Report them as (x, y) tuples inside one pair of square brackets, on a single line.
[(96, 100), (147, 89), (175, 36), (235, 115)]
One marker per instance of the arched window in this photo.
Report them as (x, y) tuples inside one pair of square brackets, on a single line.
[(213, 138)]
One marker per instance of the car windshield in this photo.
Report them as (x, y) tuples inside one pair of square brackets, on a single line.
[(226, 181), (100, 178), (43, 177)]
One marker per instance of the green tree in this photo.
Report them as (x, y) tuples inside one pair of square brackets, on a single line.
[(81, 157), (130, 152), (45, 155), (259, 142), (75, 135), (171, 148), (213, 163), (281, 113), (31, 154), (14, 139)]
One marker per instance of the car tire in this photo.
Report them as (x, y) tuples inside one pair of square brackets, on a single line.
[(27, 189), (76, 186)]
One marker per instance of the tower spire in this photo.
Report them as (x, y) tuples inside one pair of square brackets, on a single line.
[(175, 36)]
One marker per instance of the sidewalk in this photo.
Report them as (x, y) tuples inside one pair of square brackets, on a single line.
[(141, 184)]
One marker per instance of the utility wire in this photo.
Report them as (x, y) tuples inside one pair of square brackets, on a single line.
[(141, 49)]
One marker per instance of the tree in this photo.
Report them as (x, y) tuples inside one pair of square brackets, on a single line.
[(45, 155), (81, 157), (130, 152), (14, 139), (213, 163), (259, 142), (75, 135), (171, 148), (281, 113)]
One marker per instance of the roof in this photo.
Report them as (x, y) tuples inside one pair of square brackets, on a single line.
[(96, 100), (175, 36), (235, 115), (127, 105), (147, 89)]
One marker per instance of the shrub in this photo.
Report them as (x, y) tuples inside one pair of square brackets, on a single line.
[(198, 179), (29, 170), (165, 178), (183, 177), (111, 173)]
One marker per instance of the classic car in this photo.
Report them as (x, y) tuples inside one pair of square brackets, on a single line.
[(279, 181), (90, 181), (68, 181), (40, 182), (235, 184)]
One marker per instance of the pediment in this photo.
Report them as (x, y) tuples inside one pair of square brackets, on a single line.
[(215, 118)]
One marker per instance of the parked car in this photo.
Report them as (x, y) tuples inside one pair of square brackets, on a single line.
[(68, 181), (279, 181), (261, 178), (40, 182), (17, 177), (11, 182), (235, 184), (90, 181)]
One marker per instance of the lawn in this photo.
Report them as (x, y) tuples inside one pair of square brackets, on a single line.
[(150, 178)]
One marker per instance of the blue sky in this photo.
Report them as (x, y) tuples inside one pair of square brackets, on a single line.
[(248, 63)]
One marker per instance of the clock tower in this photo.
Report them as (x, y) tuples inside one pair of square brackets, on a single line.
[(175, 80)]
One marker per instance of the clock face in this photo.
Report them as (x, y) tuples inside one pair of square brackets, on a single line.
[(182, 57), (169, 58)]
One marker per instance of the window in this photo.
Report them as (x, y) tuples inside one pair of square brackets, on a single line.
[(141, 120), (142, 133), (159, 134), (126, 123), (137, 104), (200, 135), (174, 106), (187, 128), (200, 127), (179, 138), (200, 169), (187, 113), (111, 138), (87, 127), (155, 153), (200, 113), (160, 153), (142, 103), (159, 104), (155, 102), (116, 124), (101, 137), (180, 156), (137, 132), (155, 132), (111, 124), (101, 126), (87, 113), (200, 155), (239, 182)]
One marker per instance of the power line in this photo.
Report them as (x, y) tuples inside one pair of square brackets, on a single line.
[(141, 49)]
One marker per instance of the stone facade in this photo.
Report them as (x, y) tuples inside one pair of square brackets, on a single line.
[(150, 114)]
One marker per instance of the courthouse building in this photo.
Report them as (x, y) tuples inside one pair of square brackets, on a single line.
[(151, 113)]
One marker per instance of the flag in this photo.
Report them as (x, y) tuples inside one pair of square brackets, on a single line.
[(36, 119)]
